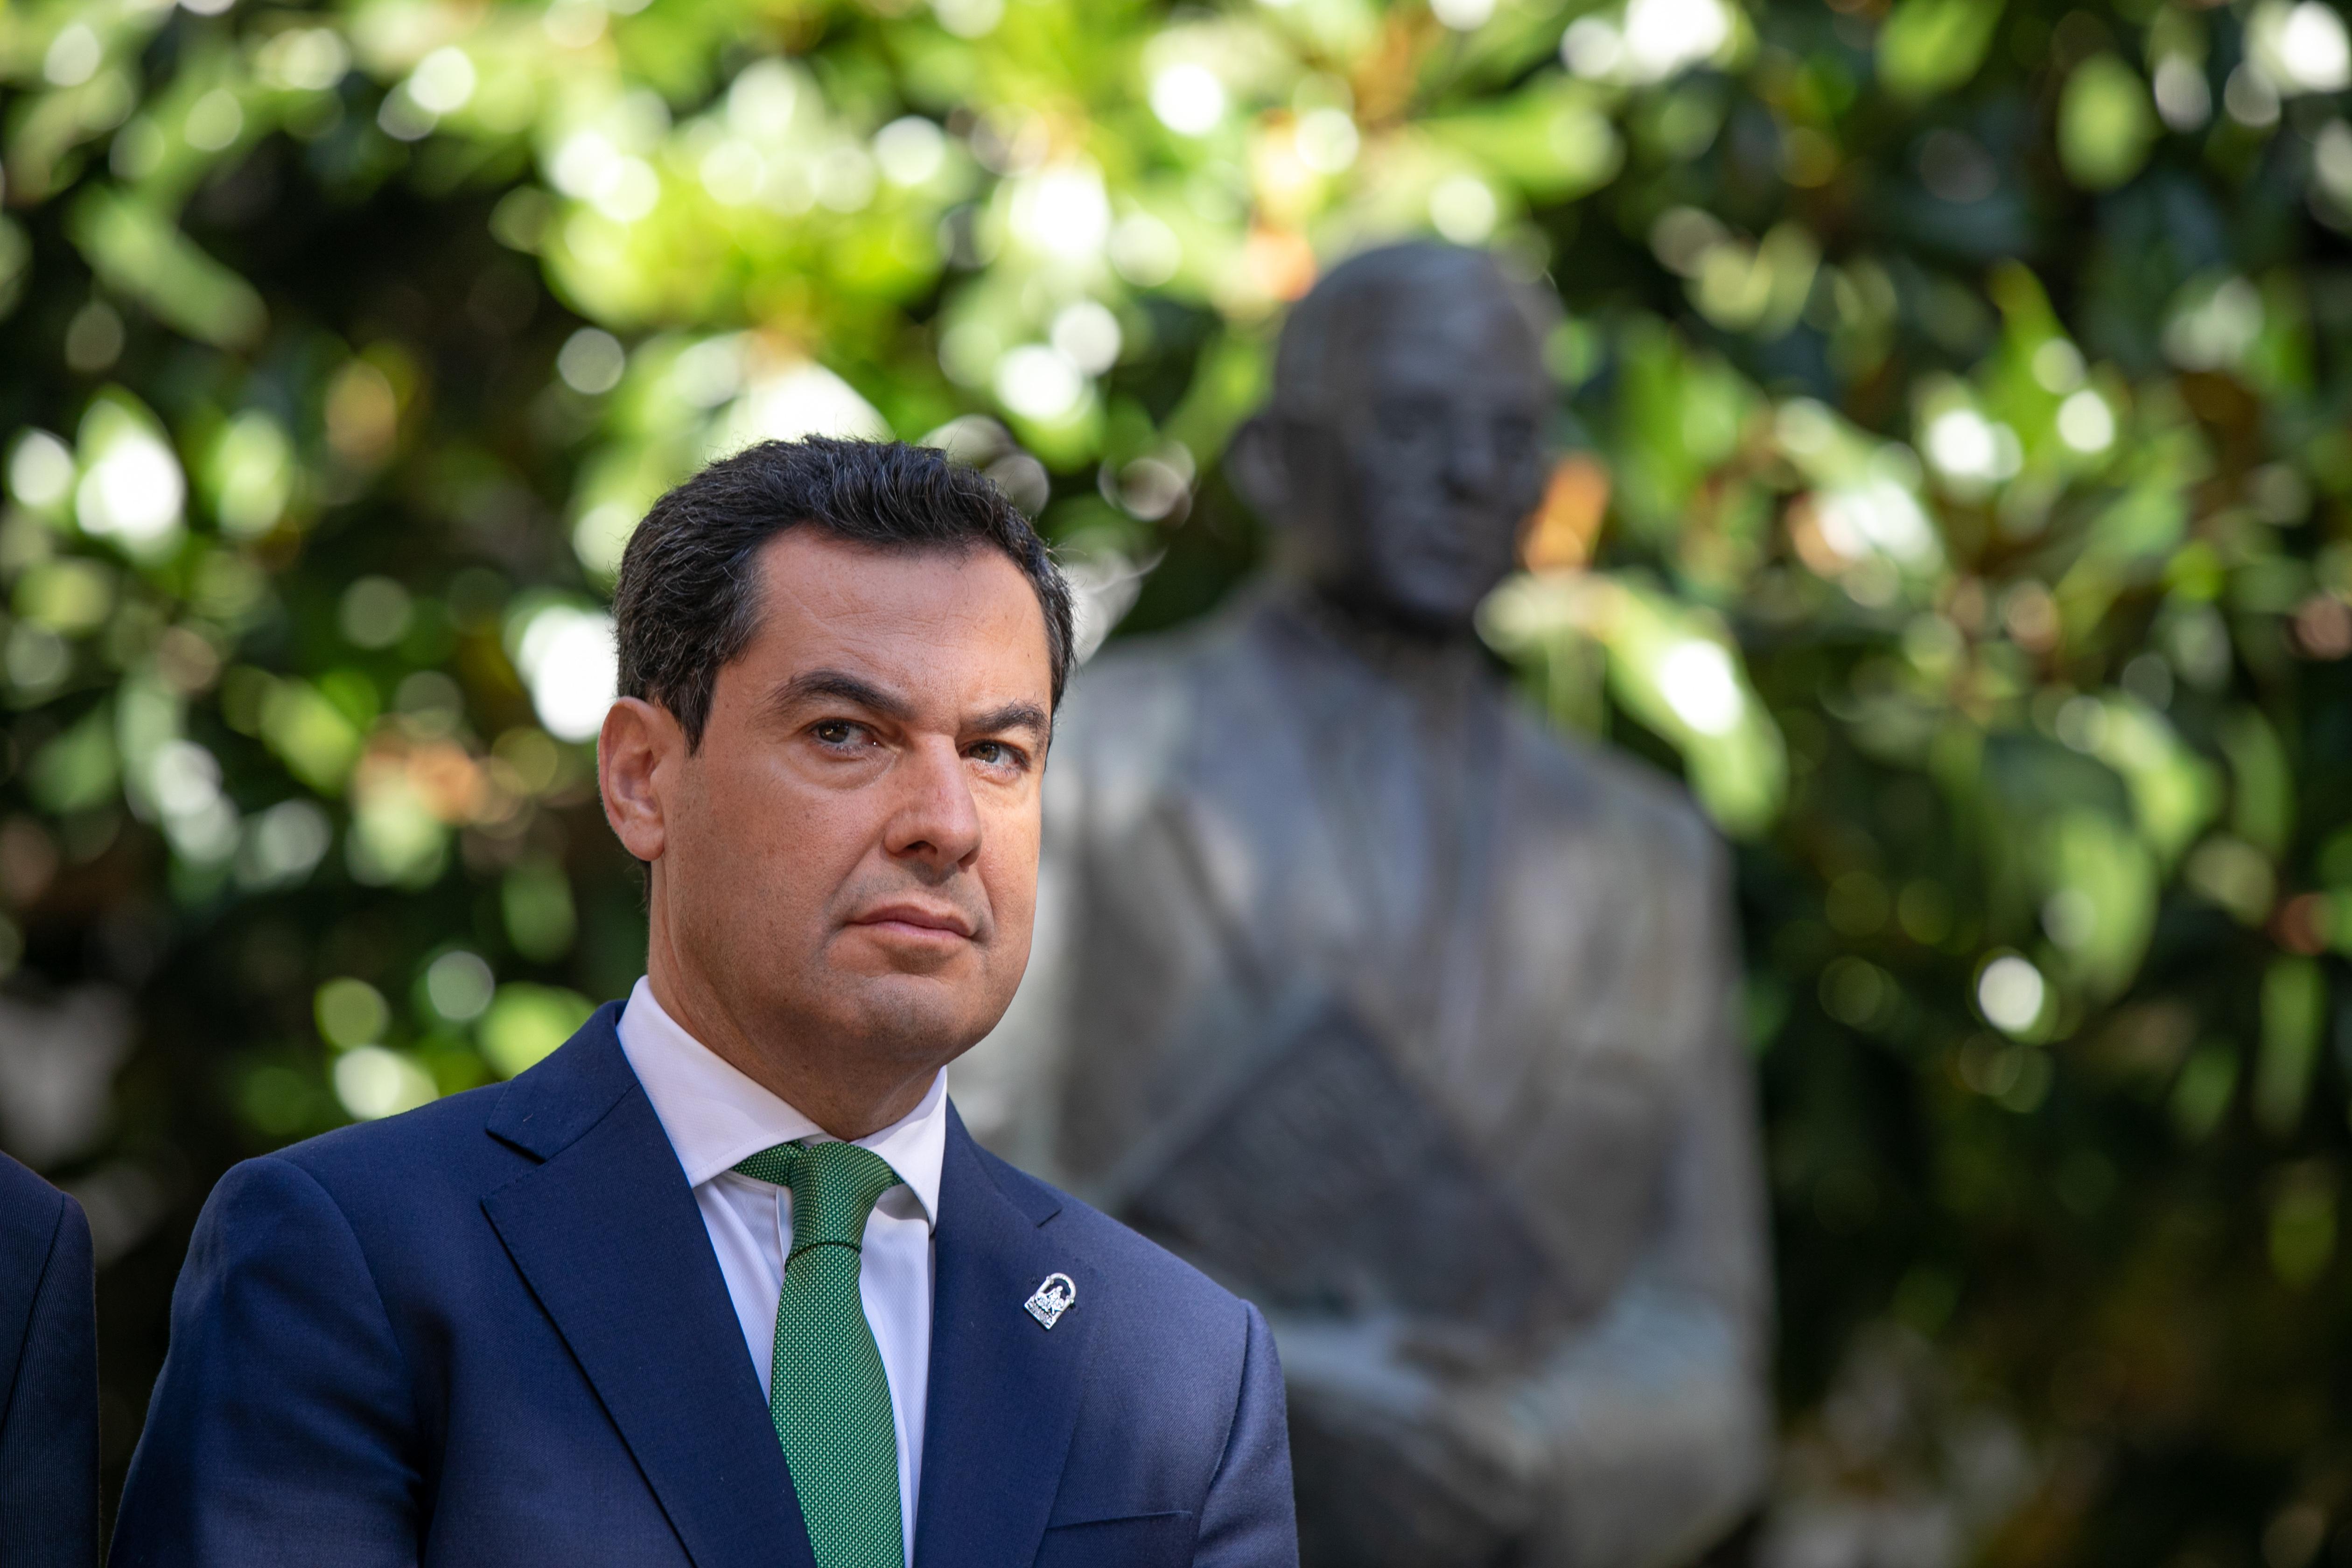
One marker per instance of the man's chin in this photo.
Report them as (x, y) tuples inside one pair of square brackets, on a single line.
[(916, 1015)]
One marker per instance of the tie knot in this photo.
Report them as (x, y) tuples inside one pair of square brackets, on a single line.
[(835, 1188)]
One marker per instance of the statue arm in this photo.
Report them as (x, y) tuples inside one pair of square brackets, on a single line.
[(1646, 1431), (1658, 1415), (1645, 1435)]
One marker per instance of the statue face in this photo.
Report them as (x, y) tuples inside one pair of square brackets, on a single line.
[(1429, 459)]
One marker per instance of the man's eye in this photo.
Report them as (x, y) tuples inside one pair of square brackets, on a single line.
[(834, 732), (994, 754)]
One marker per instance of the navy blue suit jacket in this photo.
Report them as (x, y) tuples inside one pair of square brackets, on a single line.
[(494, 1331), (48, 1377)]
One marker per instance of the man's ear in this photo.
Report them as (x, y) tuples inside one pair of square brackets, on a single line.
[(1256, 466), (638, 752)]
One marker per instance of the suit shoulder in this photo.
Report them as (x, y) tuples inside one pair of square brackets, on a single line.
[(1146, 664), (445, 1141), (34, 1226), (26, 1195), (1136, 680), (1128, 693), (1622, 798), (1123, 729)]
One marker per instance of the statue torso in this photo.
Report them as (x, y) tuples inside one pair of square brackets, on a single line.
[(1348, 932)]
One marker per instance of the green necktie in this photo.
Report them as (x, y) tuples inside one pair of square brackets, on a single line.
[(826, 1392)]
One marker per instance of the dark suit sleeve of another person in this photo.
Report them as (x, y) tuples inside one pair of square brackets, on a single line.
[(282, 1428), (1249, 1519), (48, 1382)]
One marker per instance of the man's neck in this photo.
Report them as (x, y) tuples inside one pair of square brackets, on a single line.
[(844, 1108)]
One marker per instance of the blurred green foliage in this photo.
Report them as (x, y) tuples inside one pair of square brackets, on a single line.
[(1957, 491)]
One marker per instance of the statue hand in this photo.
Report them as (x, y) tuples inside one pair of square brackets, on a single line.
[(1423, 1464)]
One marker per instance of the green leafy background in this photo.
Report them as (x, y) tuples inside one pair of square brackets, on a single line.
[(1953, 406)]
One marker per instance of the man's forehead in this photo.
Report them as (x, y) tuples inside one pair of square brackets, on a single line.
[(919, 621), (816, 577)]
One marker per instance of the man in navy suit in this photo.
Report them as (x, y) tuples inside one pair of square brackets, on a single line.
[(724, 1282), (48, 1377)]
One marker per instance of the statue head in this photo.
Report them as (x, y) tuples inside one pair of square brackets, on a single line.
[(1401, 452)]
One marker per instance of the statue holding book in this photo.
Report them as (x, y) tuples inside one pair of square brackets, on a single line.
[(1394, 1010)]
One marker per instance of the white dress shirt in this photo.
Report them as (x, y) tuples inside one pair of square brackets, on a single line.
[(715, 1116)]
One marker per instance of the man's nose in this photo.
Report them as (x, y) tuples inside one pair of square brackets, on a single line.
[(934, 821)]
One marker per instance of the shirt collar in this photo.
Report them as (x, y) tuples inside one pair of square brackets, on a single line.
[(715, 1115)]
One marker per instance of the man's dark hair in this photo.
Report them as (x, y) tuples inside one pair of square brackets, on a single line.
[(688, 600)]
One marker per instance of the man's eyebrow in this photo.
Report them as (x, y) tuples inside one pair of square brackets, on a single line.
[(841, 686), (1012, 716)]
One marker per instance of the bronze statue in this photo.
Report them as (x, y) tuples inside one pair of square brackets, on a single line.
[(1396, 1011)]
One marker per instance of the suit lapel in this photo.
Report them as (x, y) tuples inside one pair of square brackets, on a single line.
[(1003, 1392), (606, 1232)]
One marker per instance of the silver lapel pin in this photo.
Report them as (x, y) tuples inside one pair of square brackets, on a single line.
[(1056, 1296)]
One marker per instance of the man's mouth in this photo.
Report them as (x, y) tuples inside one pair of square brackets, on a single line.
[(918, 921)]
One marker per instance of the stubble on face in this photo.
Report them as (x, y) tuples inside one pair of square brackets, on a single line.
[(844, 898)]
